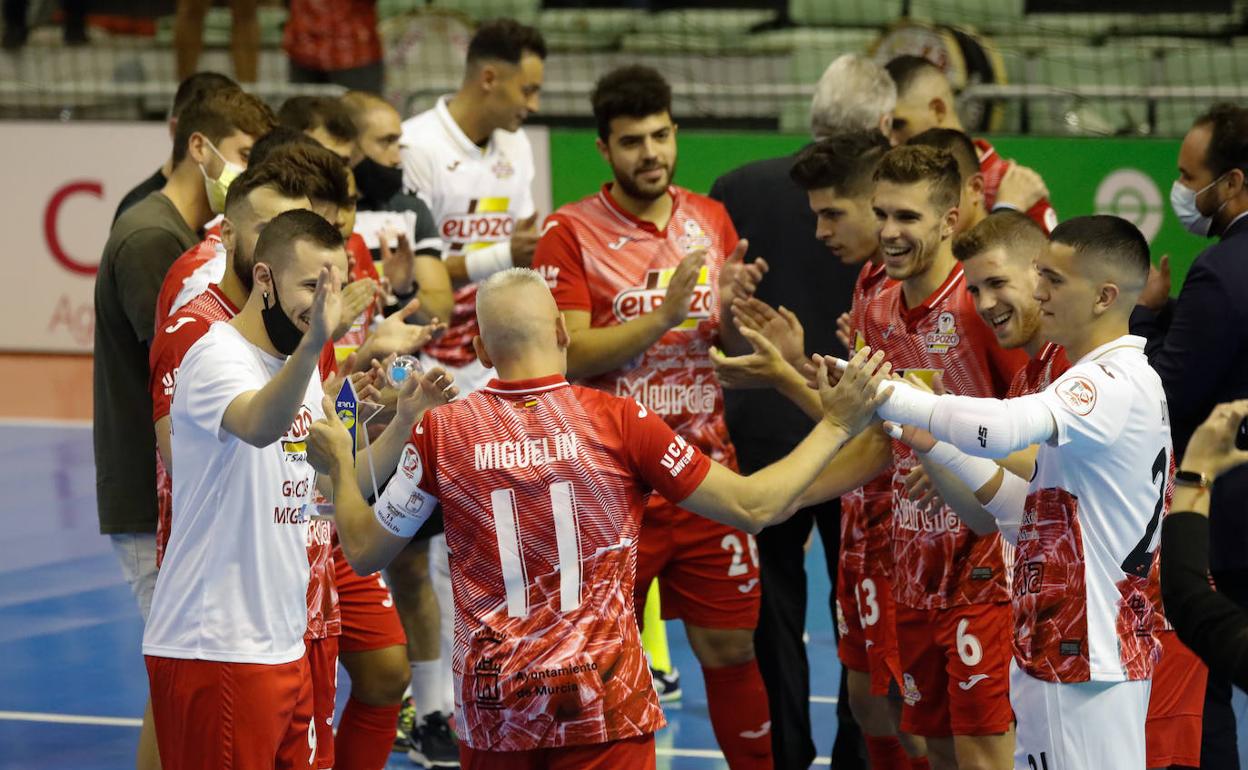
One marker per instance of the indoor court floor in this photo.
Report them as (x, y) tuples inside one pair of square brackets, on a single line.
[(72, 683)]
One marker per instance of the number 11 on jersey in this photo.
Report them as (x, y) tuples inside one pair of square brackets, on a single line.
[(511, 548)]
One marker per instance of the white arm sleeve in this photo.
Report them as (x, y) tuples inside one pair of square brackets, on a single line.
[(983, 427), (974, 472), (1007, 506)]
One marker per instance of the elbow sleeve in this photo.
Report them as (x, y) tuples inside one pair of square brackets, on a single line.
[(1007, 505), (972, 471), (990, 427)]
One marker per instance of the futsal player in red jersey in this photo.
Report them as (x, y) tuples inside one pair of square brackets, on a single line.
[(543, 486)]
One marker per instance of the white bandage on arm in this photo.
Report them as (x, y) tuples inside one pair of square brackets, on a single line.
[(403, 506), (974, 472), (1006, 506), (907, 405), (484, 262), (991, 427)]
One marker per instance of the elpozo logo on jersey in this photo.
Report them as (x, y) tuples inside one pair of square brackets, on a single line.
[(487, 219), (295, 442), (945, 337), (639, 300)]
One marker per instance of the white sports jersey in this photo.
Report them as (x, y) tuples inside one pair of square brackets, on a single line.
[(476, 195), (1092, 522), (233, 585)]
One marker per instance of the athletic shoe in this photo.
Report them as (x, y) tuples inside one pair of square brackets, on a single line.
[(434, 743), (407, 725), (667, 685)]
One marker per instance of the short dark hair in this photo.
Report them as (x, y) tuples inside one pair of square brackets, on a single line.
[(505, 40), (1006, 229), (1111, 240), (844, 162), (219, 114), (1228, 141), (294, 170), (954, 142), (308, 113), (633, 91), (907, 69), (279, 237), (912, 164), (280, 136), (196, 87)]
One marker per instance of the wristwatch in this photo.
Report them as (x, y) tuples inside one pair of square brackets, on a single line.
[(1198, 479)]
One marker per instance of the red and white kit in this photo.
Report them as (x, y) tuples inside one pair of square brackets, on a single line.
[(476, 195), (1086, 543), (233, 585), (866, 615), (600, 259), (953, 616), (543, 487)]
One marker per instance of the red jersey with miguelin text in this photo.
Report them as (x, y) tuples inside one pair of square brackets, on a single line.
[(182, 268), (598, 258), (173, 339), (993, 167), (938, 561), (867, 512), (543, 485)]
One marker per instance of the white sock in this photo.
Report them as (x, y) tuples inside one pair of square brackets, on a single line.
[(426, 687)]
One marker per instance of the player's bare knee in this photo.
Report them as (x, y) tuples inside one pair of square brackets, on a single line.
[(378, 677), (872, 714), (720, 647)]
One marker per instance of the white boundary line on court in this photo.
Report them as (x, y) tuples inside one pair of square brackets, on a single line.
[(43, 422)]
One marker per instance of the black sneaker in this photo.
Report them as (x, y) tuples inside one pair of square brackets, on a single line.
[(407, 724), (434, 743), (667, 685)]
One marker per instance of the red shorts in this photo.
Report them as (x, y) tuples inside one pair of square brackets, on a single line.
[(322, 657), (211, 715), (955, 667), (708, 573), (1176, 705), (867, 628), (632, 753), (369, 619)]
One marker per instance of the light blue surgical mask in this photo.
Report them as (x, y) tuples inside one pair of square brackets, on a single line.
[(1183, 201)]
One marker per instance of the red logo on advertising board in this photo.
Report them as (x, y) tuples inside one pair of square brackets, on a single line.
[(50, 215)]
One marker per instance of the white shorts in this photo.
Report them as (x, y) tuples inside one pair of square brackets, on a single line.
[(1083, 726), (468, 379), (137, 554)]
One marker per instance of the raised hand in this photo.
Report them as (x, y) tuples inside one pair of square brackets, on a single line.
[(356, 298), (397, 264), (761, 369), (326, 313), (420, 394), (781, 326), (1021, 188), (395, 336), (737, 280), (329, 442), (679, 295), (1157, 288), (852, 402)]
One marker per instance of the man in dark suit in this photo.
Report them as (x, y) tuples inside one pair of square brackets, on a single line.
[(1199, 346), (769, 209)]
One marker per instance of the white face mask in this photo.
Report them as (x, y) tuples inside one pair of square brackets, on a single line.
[(217, 188), (1183, 201)]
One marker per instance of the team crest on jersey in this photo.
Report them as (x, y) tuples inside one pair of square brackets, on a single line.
[(639, 300), (909, 690), (1078, 394), (945, 337), (694, 238), (410, 464), (503, 169)]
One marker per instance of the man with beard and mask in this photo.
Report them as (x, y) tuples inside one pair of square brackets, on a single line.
[(413, 264), (470, 161), (213, 138), (230, 682), (645, 273), (1195, 344)]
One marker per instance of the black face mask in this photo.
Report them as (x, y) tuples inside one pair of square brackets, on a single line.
[(282, 331), (377, 183)]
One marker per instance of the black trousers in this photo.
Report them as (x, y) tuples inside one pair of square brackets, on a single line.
[(778, 641), (1219, 747)]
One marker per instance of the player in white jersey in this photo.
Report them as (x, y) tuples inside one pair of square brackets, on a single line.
[(470, 162), (1086, 524)]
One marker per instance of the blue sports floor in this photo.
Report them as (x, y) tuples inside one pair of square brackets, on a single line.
[(72, 683)]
